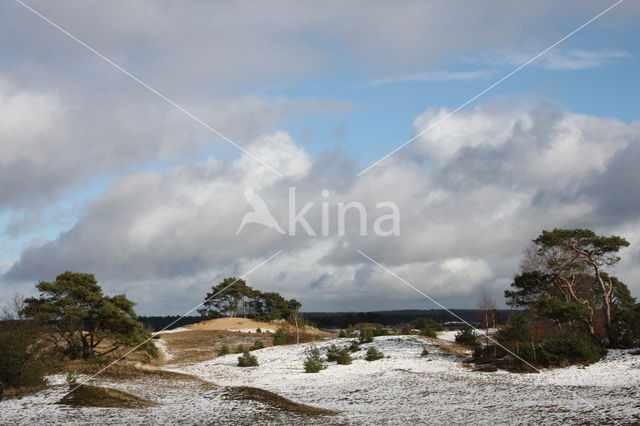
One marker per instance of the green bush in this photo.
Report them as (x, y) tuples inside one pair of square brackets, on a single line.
[(224, 350), (427, 327), (258, 344), (340, 356), (467, 337), (354, 347), (258, 330), (343, 357), (279, 338), (366, 335), (241, 349), (373, 354), (22, 358), (314, 363), (332, 353), (568, 349), (247, 360), (347, 332), (425, 352)]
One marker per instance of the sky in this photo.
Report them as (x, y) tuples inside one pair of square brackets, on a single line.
[(143, 183)]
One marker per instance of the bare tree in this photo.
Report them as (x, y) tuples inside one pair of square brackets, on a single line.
[(487, 304)]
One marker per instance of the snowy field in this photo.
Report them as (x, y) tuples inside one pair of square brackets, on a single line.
[(405, 388)]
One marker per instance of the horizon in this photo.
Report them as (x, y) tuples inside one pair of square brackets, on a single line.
[(354, 158)]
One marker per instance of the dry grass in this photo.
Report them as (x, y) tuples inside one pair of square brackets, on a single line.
[(129, 371), (21, 391), (202, 345), (93, 396), (276, 401)]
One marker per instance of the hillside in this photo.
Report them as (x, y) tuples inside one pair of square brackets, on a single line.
[(405, 388)]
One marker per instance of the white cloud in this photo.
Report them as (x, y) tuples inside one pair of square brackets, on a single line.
[(465, 216), (435, 76)]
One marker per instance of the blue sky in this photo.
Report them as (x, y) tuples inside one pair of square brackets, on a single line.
[(332, 80)]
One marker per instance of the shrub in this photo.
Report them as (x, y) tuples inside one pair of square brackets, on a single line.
[(568, 349), (354, 347), (224, 350), (427, 326), (314, 363), (467, 337), (347, 332), (340, 356), (343, 357), (380, 331), (366, 335), (241, 349), (258, 330), (258, 344), (373, 354), (332, 353), (425, 352), (23, 362), (247, 360), (279, 338)]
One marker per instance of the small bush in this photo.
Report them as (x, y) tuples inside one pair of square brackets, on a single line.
[(314, 363), (347, 332), (258, 330), (258, 344), (373, 354), (332, 353), (354, 347), (224, 350), (241, 349), (279, 338), (247, 360), (427, 326), (343, 357), (425, 352), (366, 335), (340, 356), (467, 337)]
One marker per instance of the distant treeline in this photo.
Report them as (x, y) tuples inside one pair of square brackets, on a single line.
[(398, 318), (344, 319)]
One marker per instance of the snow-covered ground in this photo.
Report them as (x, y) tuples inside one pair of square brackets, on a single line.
[(405, 388)]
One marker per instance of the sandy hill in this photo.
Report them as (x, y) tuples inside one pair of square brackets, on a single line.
[(247, 325)]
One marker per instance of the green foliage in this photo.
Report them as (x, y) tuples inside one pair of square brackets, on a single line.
[(224, 350), (23, 361), (340, 356), (258, 330), (467, 337), (347, 332), (247, 360), (314, 362), (257, 344), (279, 338), (79, 314), (517, 329), (366, 335), (354, 347), (374, 354), (233, 297), (427, 326), (241, 349), (568, 349), (625, 327), (425, 352)]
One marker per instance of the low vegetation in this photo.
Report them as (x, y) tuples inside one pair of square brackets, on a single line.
[(374, 354), (314, 362), (93, 396), (247, 360)]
